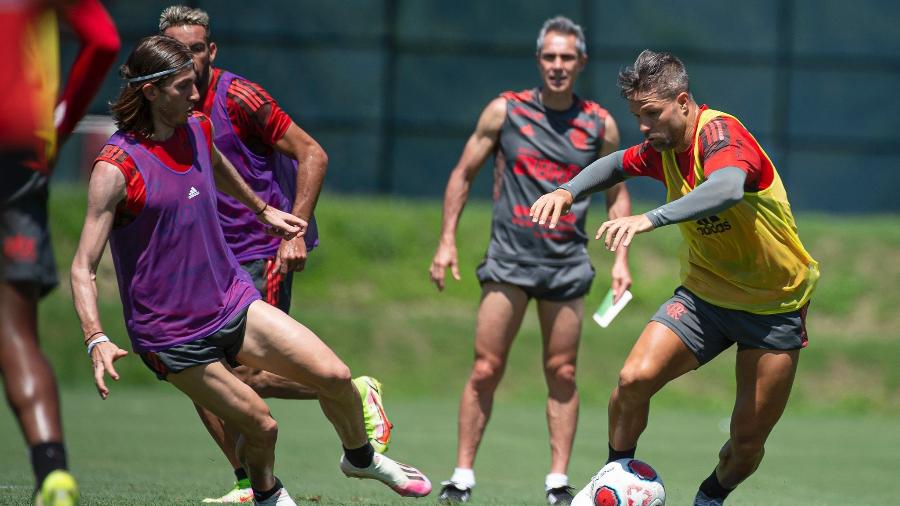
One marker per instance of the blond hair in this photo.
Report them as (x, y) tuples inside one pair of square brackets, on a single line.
[(179, 15)]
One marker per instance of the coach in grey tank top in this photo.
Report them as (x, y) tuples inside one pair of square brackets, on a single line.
[(540, 138)]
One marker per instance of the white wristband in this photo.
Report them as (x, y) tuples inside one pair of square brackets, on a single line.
[(95, 342)]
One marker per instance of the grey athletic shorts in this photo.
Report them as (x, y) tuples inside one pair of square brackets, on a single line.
[(557, 283), (26, 253), (708, 330), (223, 344)]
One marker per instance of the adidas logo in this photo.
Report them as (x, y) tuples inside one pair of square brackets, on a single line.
[(713, 225), (193, 192)]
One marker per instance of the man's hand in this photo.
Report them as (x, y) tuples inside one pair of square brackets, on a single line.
[(621, 279), (282, 224), (444, 256), (620, 231), (552, 206), (291, 255), (102, 356)]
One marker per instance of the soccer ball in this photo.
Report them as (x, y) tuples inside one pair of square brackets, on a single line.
[(624, 482)]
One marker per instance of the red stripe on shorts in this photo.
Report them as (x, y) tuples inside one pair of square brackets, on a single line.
[(803, 334)]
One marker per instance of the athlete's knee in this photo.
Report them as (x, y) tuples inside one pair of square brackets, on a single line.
[(560, 374), (334, 378), (486, 373), (30, 385), (265, 431), (636, 384), (268, 431)]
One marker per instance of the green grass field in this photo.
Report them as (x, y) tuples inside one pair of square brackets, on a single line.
[(366, 292), (145, 446)]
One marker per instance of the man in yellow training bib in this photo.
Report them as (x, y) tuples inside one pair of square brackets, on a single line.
[(746, 278)]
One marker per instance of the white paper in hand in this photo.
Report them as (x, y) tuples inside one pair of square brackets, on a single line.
[(607, 310)]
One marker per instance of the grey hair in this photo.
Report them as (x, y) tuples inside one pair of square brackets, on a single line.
[(565, 26), (662, 74), (178, 15)]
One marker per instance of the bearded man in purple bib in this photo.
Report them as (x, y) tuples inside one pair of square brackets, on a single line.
[(190, 310), (540, 138)]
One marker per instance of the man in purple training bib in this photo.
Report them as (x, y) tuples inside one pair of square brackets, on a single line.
[(286, 167), (190, 310), (541, 138)]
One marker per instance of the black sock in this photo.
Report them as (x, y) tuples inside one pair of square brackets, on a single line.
[(360, 457), (713, 489), (262, 496), (616, 454), (46, 458), (240, 474)]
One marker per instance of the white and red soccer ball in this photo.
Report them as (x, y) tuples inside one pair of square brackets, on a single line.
[(625, 482)]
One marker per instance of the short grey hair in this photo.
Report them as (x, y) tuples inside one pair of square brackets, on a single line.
[(565, 26), (662, 74), (179, 15)]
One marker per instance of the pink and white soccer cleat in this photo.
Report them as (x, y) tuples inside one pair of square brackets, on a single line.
[(403, 479)]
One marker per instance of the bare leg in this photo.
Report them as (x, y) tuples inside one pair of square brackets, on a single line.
[(263, 383), (216, 389), (657, 357), (561, 329), (275, 342), (226, 437), (270, 386), (499, 317), (764, 380), (29, 381)]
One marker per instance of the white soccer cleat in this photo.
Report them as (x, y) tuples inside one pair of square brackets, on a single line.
[(403, 479), (280, 498)]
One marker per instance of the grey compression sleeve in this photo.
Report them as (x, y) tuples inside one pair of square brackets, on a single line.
[(723, 189), (600, 175)]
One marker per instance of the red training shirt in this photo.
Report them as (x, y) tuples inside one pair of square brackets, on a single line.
[(724, 142)]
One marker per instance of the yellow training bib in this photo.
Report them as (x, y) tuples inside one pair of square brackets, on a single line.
[(748, 257)]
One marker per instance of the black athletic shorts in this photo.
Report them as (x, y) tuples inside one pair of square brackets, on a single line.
[(557, 283), (707, 329), (274, 287), (223, 344), (27, 254)]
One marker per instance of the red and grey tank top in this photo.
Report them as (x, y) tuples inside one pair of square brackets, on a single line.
[(538, 150), (178, 280)]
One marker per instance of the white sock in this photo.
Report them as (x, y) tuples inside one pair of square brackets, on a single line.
[(464, 477), (556, 480)]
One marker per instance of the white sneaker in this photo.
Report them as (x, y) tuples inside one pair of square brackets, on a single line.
[(403, 479), (280, 498)]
